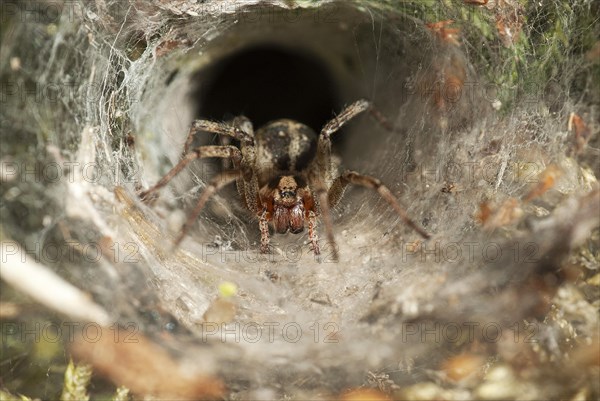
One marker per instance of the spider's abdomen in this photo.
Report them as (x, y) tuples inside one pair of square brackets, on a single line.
[(284, 146)]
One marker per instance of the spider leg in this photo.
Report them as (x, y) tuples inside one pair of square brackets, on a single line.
[(324, 205), (263, 224), (352, 111), (351, 177), (312, 232), (198, 153), (347, 114), (381, 119), (333, 125), (323, 157), (215, 185), (251, 194), (248, 183), (241, 129)]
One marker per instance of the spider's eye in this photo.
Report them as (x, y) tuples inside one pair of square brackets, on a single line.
[(287, 186)]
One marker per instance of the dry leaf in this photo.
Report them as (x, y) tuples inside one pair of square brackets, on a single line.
[(134, 361)]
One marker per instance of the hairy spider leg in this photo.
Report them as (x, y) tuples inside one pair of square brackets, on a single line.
[(322, 196), (336, 191), (327, 170), (347, 114), (241, 129), (218, 182), (198, 153), (330, 198), (312, 232), (263, 224), (243, 161), (352, 111)]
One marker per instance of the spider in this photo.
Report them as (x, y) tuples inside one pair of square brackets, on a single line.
[(284, 172)]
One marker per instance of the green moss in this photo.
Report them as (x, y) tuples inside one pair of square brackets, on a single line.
[(121, 394), (554, 35), (6, 396), (32, 354), (77, 378)]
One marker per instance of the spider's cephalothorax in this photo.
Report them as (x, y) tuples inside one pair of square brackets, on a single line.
[(284, 173), (284, 146), (285, 203), (285, 149)]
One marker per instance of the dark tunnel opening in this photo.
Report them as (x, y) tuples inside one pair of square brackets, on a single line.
[(265, 83)]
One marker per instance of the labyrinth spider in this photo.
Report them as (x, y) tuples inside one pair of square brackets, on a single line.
[(284, 173)]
